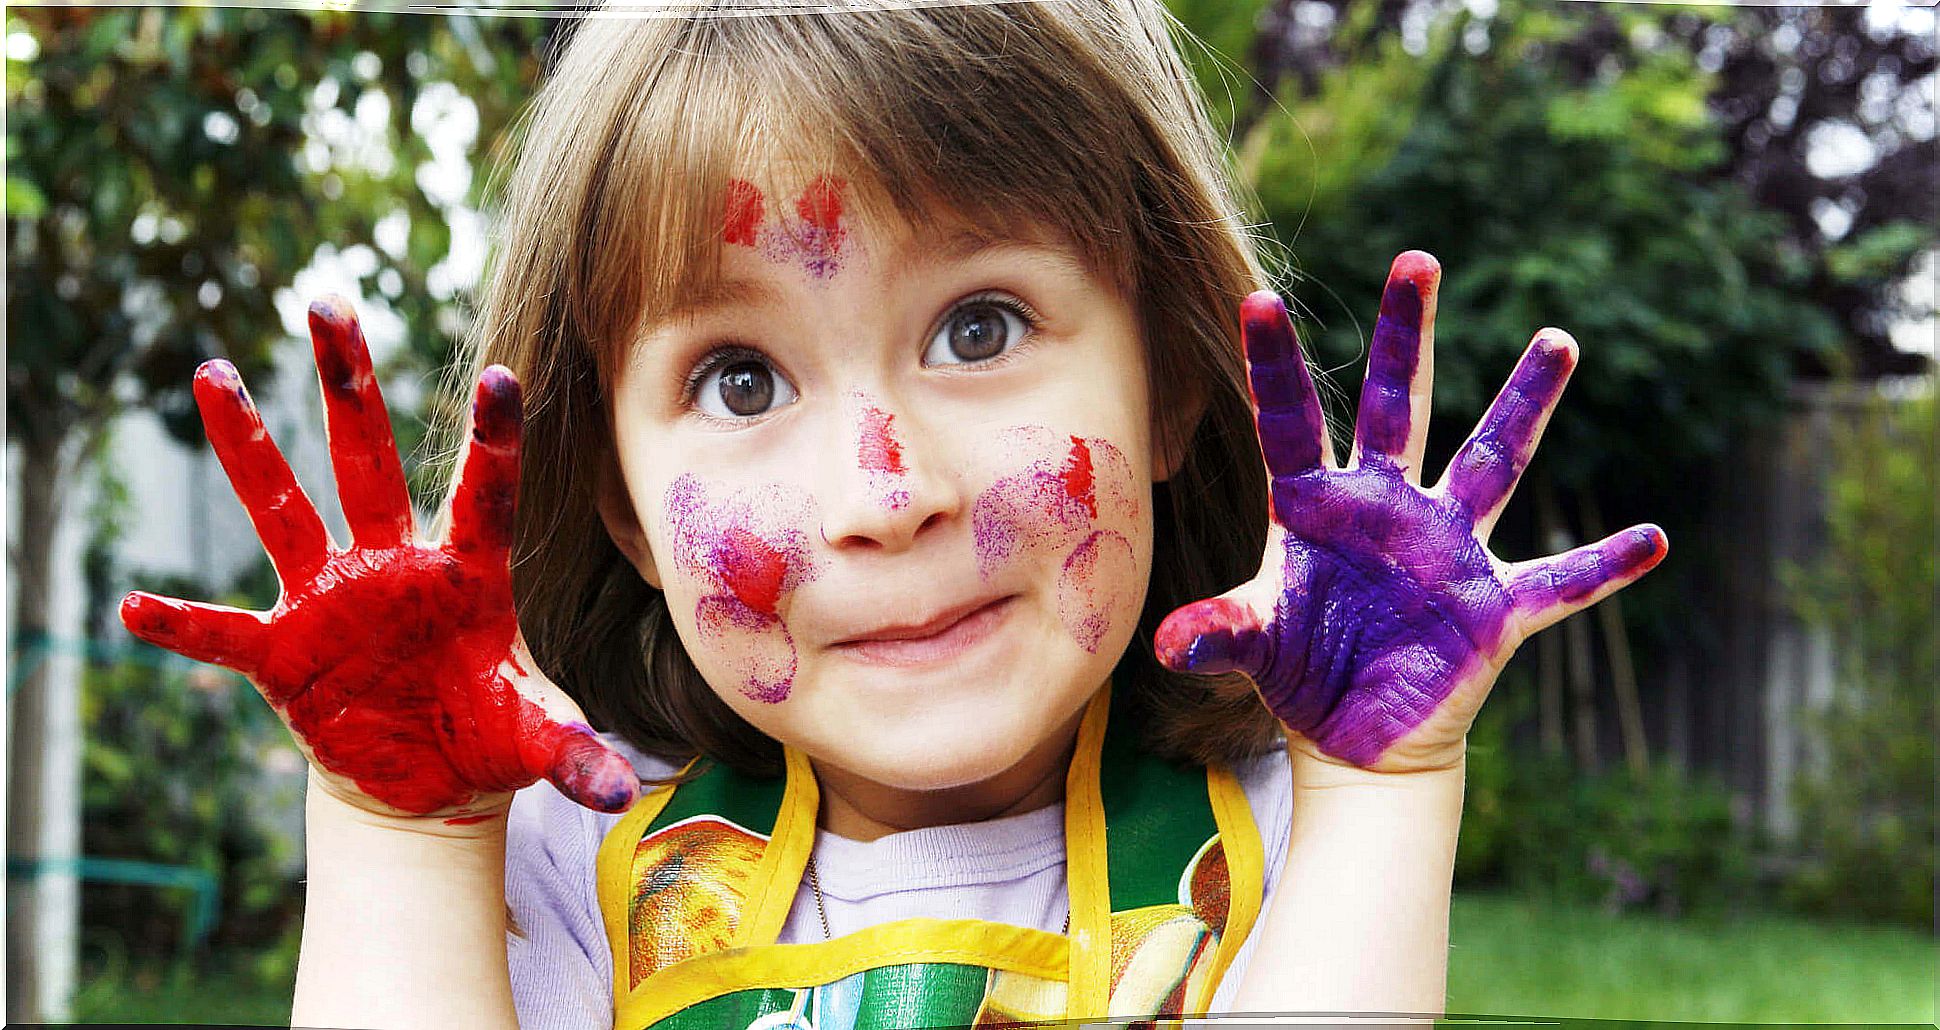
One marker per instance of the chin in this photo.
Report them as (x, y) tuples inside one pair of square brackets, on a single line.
[(939, 749)]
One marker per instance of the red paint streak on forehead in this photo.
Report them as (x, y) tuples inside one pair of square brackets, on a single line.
[(820, 204), (752, 568), (878, 450), (743, 213), (1076, 475)]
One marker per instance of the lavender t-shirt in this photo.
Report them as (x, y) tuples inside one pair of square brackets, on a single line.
[(1008, 870)]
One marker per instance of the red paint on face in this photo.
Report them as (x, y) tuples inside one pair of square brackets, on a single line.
[(1077, 476), (1070, 504), (747, 555), (820, 204), (744, 209), (752, 568), (878, 450)]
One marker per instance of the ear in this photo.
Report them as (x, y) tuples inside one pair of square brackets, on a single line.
[(1173, 426), (623, 522)]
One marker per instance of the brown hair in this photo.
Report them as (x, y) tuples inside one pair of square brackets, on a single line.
[(1075, 117)]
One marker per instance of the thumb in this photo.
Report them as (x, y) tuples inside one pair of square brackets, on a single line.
[(559, 746), (1220, 634)]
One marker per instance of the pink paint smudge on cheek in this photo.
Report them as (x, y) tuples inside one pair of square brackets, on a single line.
[(1096, 586), (747, 557), (766, 652), (1054, 500), (1070, 507), (880, 455)]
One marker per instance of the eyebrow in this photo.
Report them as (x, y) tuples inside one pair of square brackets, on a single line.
[(960, 244)]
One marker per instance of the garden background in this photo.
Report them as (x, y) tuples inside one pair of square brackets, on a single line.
[(1710, 800)]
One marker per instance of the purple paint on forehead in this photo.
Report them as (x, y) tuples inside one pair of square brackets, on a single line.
[(816, 237)]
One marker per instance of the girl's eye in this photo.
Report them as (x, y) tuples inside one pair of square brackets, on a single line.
[(735, 387), (978, 330)]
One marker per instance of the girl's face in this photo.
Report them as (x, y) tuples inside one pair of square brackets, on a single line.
[(896, 485)]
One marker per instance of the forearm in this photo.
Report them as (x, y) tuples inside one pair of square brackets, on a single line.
[(1360, 920), (402, 928)]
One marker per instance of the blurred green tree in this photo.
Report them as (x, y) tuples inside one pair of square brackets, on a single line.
[(168, 171), (1866, 808)]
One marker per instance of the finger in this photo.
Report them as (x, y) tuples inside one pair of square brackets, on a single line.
[(1548, 590), (284, 518), (370, 479), (1392, 425), (488, 489), (589, 772), (1286, 410), (556, 744), (1485, 470), (1217, 635), (229, 637)]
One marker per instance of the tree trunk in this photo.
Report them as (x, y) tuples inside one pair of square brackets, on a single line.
[(1549, 646), (1616, 646), (1575, 632), (43, 754)]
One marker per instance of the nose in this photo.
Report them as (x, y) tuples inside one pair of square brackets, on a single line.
[(890, 481)]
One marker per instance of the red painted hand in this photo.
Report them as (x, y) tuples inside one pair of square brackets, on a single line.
[(396, 664)]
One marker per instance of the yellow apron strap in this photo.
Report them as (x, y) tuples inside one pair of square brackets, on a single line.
[(996, 946), (1085, 868), (1239, 836), (779, 875), (613, 874)]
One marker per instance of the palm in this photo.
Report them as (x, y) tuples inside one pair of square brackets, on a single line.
[(391, 661), (1379, 618)]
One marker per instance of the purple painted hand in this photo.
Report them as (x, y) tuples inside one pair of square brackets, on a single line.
[(1379, 620)]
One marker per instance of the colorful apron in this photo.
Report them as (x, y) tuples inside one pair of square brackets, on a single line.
[(1165, 875)]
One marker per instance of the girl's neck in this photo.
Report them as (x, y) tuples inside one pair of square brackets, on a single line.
[(862, 810)]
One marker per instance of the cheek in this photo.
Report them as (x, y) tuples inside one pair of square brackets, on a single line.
[(1074, 504), (737, 558)]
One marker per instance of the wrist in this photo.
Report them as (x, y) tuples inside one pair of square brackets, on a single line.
[(328, 813), (1314, 768)]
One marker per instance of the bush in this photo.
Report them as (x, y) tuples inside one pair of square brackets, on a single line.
[(1664, 841), (1866, 819), (184, 765)]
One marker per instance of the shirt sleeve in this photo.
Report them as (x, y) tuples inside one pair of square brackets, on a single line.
[(562, 972), (1268, 782)]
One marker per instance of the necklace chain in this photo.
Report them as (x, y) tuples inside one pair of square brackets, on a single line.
[(822, 910)]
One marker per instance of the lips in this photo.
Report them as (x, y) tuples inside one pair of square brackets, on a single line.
[(929, 627), (943, 636)]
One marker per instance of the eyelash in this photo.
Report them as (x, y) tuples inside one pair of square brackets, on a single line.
[(731, 353)]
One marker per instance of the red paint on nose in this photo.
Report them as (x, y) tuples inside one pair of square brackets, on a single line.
[(1077, 476), (743, 212), (878, 450), (752, 568)]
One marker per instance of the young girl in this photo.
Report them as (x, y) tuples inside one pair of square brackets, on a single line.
[(880, 442)]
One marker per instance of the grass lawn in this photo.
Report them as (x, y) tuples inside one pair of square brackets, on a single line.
[(184, 995), (1510, 956), (1515, 956)]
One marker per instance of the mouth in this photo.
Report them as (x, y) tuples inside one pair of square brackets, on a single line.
[(945, 636)]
